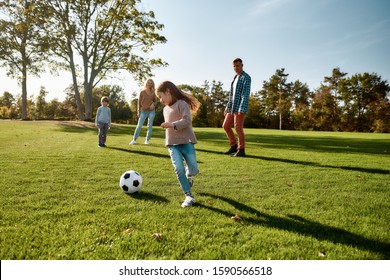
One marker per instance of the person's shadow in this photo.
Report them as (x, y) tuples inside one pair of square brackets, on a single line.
[(143, 195), (307, 163), (300, 225)]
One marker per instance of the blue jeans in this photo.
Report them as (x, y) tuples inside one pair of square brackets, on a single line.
[(186, 152), (142, 117)]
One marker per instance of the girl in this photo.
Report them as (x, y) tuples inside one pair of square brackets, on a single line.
[(146, 110), (179, 135)]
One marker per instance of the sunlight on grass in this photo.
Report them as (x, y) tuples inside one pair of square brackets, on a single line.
[(297, 195)]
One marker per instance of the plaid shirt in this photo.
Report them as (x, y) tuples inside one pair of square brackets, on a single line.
[(238, 101)]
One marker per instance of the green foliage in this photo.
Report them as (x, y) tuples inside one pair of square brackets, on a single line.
[(297, 195), (363, 94), (22, 49), (358, 103), (324, 110), (107, 36), (212, 100), (328, 108), (120, 109)]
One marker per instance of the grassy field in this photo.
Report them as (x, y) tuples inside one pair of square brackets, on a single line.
[(298, 195)]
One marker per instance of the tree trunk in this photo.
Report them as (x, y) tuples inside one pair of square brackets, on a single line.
[(87, 87), (79, 104), (24, 77), (24, 92), (88, 101), (280, 110)]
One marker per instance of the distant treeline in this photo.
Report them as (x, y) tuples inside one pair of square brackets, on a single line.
[(340, 103)]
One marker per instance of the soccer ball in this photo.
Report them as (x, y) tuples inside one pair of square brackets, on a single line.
[(130, 181)]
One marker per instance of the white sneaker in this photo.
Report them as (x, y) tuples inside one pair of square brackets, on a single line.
[(189, 201), (132, 142), (146, 142)]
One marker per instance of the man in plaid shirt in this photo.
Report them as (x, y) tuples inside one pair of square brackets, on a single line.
[(236, 109)]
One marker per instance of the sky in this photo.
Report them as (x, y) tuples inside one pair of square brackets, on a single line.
[(308, 38)]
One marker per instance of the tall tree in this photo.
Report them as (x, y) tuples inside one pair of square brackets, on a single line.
[(217, 97), (98, 37), (200, 118), (254, 117), (7, 99), (332, 84), (40, 105), (322, 114), (361, 94), (22, 50), (276, 94), (120, 109), (333, 81), (301, 103)]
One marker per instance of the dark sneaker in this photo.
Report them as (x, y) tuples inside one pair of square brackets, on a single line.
[(240, 153), (101, 145), (232, 150)]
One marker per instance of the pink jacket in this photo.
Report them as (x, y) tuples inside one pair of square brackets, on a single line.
[(180, 115)]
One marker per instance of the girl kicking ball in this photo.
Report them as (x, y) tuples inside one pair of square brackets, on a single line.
[(179, 135)]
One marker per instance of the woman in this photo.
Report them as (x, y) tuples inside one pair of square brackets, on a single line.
[(146, 110)]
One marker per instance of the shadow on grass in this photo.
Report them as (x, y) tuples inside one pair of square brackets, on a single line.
[(148, 196), (348, 143), (309, 163), (338, 143), (300, 225), (116, 129), (77, 126), (144, 153)]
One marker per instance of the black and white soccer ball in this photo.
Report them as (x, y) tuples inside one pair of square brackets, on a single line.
[(130, 182)]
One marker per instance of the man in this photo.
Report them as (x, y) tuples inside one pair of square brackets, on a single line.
[(236, 109)]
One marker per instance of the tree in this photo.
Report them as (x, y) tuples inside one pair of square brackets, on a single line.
[(333, 81), (41, 104), (22, 50), (69, 104), (106, 36), (361, 94), (217, 104), (301, 102), (332, 84), (53, 109), (7, 99), (212, 100), (322, 115), (381, 122), (276, 95), (254, 118), (200, 118), (7, 105), (134, 108), (120, 109)]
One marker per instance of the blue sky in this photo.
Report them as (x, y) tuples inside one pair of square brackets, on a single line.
[(308, 38)]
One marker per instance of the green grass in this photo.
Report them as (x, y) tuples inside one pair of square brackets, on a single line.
[(300, 195)]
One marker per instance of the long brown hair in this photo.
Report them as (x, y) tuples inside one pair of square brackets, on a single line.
[(177, 94)]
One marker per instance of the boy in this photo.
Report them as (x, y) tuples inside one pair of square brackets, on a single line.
[(103, 121)]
